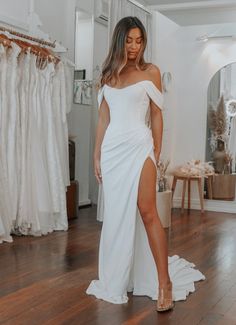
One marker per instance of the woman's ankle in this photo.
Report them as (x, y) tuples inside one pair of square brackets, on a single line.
[(165, 283)]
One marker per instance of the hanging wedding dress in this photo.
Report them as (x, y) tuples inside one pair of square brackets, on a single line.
[(5, 200), (59, 106), (12, 127), (57, 177), (125, 259), (5, 217), (34, 213), (34, 159), (23, 216)]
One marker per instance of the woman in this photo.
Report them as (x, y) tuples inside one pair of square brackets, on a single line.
[(133, 246)]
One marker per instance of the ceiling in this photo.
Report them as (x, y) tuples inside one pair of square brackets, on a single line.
[(200, 12), (164, 2)]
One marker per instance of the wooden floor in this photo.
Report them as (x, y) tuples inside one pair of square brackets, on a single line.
[(43, 280)]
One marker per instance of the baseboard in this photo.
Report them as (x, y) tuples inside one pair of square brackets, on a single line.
[(209, 205), (85, 203)]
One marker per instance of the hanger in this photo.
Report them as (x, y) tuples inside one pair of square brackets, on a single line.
[(43, 54), (23, 45), (5, 40)]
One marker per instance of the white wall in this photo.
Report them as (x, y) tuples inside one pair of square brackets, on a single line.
[(13, 14), (165, 30), (192, 64), (84, 46), (233, 80), (53, 15)]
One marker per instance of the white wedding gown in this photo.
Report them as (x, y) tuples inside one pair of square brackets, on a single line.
[(125, 259)]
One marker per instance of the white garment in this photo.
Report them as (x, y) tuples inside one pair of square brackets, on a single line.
[(5, 203), (69, 81), (5, 199), (55, 173), (100, 203), (12, 126), (34, 164), (59, 106), (125, 259), (24, 211), (35, 215)]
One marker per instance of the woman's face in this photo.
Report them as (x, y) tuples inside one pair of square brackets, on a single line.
[(134, 42)]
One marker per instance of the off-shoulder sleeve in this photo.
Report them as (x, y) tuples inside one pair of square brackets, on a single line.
[(154, 93), (100, 95)]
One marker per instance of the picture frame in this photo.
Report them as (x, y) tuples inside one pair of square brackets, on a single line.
[(80, 74)]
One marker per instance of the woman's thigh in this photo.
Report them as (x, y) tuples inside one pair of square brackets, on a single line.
[(147, 187)]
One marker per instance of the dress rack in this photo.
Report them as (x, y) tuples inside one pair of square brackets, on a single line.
[(34, 39)]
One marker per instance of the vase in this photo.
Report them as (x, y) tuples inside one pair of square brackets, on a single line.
[(219, 156), (162, 184)]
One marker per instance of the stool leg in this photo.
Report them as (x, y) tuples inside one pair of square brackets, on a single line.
[(200, 194), (173, 186), (189, 194), (183, 195)]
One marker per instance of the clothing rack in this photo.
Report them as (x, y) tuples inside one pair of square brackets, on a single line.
[(34, 39), (140, 6)]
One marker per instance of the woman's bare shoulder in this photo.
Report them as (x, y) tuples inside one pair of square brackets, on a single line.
[(154, 75), (153, 69)]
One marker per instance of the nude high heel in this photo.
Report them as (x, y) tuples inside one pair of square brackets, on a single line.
[(165, 301)]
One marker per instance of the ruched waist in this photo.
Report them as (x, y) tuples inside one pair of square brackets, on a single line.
[(119, 135), (114, 130)]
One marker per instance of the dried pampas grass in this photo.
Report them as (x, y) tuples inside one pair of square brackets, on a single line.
[(218, 118), (194, 167)]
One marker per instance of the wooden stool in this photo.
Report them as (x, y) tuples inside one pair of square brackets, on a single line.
[(188, 179)]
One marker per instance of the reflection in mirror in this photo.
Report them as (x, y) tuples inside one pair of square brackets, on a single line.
[(83, 58), (221, 134)]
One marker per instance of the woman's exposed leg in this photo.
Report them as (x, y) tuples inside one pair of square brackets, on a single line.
[(155, 231)]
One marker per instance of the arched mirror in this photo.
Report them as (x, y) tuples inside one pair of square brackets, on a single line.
[(221, 134)]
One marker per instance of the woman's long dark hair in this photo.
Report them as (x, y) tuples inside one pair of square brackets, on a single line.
[(117, 56)]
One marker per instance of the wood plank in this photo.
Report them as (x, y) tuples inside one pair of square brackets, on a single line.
[(43, 279)]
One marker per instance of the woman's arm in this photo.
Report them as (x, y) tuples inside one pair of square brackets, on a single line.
[(103, 122), (157, 129), (156, 114)]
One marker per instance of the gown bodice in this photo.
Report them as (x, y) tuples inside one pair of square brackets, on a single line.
[(129, 105)]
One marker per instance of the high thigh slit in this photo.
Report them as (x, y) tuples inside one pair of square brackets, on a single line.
[(126, 262)]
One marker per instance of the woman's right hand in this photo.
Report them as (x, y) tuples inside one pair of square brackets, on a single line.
[(97, 170)]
